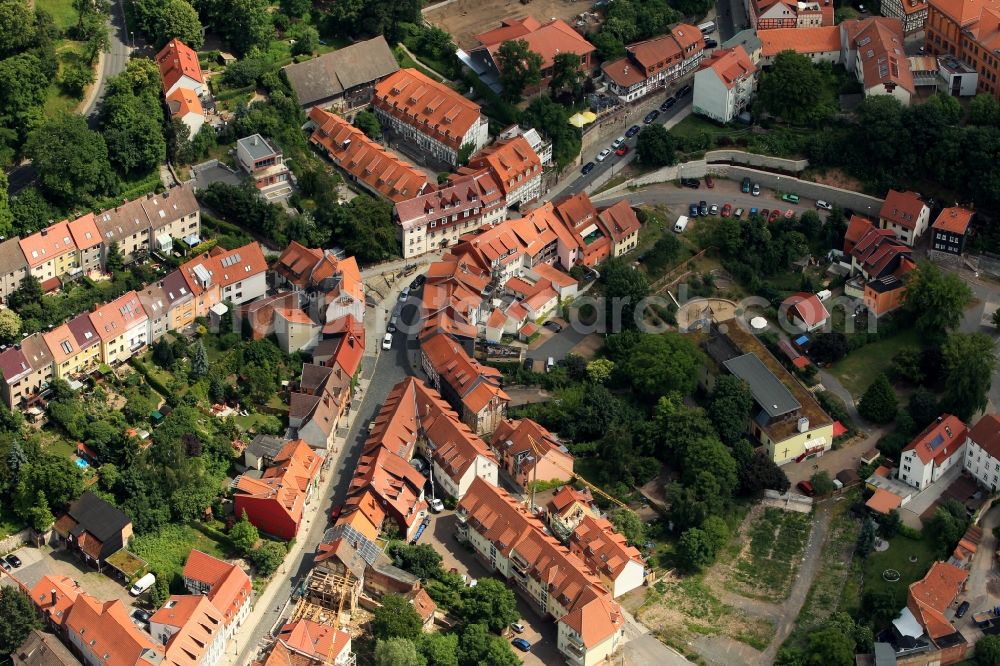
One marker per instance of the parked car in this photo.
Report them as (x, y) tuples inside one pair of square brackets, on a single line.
[(711, 44), (387, 341), (517, 626), (727, 210), (603, 155), (141, 616), (789, 214), (753, 211), (775, 214), (713, 209), (806, 488), (738, 213), (756, 190), (709, 181), (6, 567), (651, 116), (824, 205), (963, 608), (703, 207), (617, 143), (436, 505), (765, 214), (684, 90), (528, 364), (745, 186), (521, 644), (693, 210), (670, 101), (632, 131), (622, 151), (693, 183), (142, 585), (790, 198), (587, 168), (336, 511), (14, 560), (553, 326)]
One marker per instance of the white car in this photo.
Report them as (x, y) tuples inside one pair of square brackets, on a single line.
[(618, 143), (824, 205), (387, 341), (436, 505), (603, 155)]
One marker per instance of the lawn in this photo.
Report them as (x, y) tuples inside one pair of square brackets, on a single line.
[(58, 102), (770, 557), (61, 11), (897, 557), (859, 369), (167, 550), (696, 126), (9, 523)]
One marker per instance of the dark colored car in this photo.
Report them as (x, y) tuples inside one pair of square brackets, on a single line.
[(684, 90), (14, 560), (141, 616), (670, 101), (521, 644), (693, 210), (806, 488), (709, 181), (587, 168), (703, 207), (553, 326), (417, 282), (651, 116), (529, 363), (711, 44), (632, 131), (745, 187), (693, 183), (775, 214), (335, 512), (963, 608)]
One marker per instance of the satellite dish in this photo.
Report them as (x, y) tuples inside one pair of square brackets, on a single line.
[(758, 323)]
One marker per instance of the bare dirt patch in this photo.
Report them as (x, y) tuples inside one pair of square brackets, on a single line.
[(835, 178), (466, 18)]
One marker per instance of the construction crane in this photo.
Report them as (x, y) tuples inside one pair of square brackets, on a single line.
[(335, 625), (574, 476)]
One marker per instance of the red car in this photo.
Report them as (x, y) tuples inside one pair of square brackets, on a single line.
[(335, 513), (708, 181), (775, 214), (764, 213), (806, 488), (727, 210), (622, 150), (789, 214)]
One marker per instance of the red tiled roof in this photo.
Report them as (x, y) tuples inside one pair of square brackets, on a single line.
[(229, 586), (431, 107), (108, 633), (513, 162), (858, 227), (183, 101), (461, 193), (319, 642), (929, 598), (52, 241), (84, 232), (566, 497), (474, 383), (986, 433), (176, 60), (113, 319), (546, 39), (820, 39), (730, 65), (197, 623), (378, 168), (807, 307), (954, 220), (884, 501), (902, 208), (940, 440), (604, 550), (620, 220), (54, 596)]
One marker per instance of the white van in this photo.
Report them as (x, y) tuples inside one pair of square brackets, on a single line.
[(681, 224), (707, 28), (550, 364), (142, 585)]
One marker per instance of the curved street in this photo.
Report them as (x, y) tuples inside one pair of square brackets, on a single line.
[(113, 61)]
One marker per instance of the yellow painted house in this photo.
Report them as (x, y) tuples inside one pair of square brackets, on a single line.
[(50, 253), (75, 347)]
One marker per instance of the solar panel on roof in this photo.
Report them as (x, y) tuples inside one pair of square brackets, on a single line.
[(936, 442)]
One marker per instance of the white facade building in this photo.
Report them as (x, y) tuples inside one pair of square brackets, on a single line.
[(725, 84), (933, 452), (982, 452)]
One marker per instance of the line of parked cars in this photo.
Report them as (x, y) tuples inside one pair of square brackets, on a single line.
[(10, 562)]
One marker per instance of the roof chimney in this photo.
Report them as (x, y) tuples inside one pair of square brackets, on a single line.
[(54, 596)]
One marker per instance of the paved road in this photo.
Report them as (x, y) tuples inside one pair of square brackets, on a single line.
[(985, 292), (982, 572), (114, 60)]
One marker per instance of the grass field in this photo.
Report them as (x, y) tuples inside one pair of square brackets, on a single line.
[(696, 125), (61, 11), (9, 523), (167, 550), (767, 564), (58, 102), (897, 557), (859, 369)]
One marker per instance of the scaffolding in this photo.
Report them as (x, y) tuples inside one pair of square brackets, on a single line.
[(331, 591)]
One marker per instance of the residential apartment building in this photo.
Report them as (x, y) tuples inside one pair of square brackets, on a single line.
[(183, 83), (821, 44), (872, 49), (934, 451), (547, 39), (364, 161), (654, 63), (51, 254), (185, 105), (512, 542), (438, 218), (948, 234), (87, 239), (275, 502), (724, 85), (528, 453), (27, 371), (13, 267), (343, 79), (308, 643), (982, 452), (588, 235), (121, 325), (912, 13), (238, 276), (771, 14), (394, 484), (317, 405), (541, 146), (472, 389), (516, 168), (905, 215), (180, 301), (968, 30), (264, 163), (157, 307), (429, 115), (191, 630), (94, 529), (103, 634), (135, 225), (225, 585), (619, 565), (567, 509)]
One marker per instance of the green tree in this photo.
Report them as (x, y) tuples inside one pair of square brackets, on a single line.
[(478, 646), (694, 549), (996, 318), (829, 646), (984, 110), (793, 89), (624, 289), (31, 211), (656, 147), (367, 122), (17, 618), (660, 364), (56, 477), (306, 39), (552, 119), (936, 299), (829, 347), (879, 403), (199, 360), (246, 24), (6, 216), (717, 533), (71, 159), (23, 86), (114, 262), (396, 618), (490, 603), (822, 483), (947, 525), (244, 535), (16, 32), (397, 652), (759, 473), (163, 20), (258, 384), (465, 152), (40, 516), (520, 68), (629, 525), (566, 76), (599, 370), (440, 649), (969, 360), (730, 407), (295, 8), (866, 538), (131, 121), (10, 326), (421, 560), (987, 651), (267, 557)]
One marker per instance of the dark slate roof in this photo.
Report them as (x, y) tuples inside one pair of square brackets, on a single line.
[(97, 517), (12, 256), (331, 74), (266, 446), (768, 391)]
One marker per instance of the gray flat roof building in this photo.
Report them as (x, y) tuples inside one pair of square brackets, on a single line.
[(768, 391)]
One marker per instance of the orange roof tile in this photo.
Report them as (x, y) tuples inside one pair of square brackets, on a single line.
[(620, 220), (431, 107), (604, 550), (197, 623), (730, 65), (806, 307), (929, 598), (113, 319), (52, 241), (367, 161), (84, 232), (986, 433), (546, 39), (954, 220), (884, 501), (319, 642), (474, 383), (294, 316), (939, 440), (566, 496), (822, 39), (515, 439), (397, 485), (287, 480), (61, 343), (176, 60), (229, 586), (879, 42), (54, 596), (513, 162), (964, 12), (107, 632), (461, 193), (183, 101)]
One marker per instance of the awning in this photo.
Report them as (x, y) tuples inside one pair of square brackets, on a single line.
[(581, 119), (838, 429), (192, 239), (51, 285)]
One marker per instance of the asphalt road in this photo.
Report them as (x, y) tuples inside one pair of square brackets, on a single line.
[(613, 162), (115, 58)]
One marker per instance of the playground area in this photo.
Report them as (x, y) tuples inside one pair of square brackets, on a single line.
[(696, 314)]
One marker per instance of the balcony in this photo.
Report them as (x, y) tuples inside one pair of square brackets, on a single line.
[(518, 561), (574, 655)]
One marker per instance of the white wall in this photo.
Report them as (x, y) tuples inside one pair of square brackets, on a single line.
[(984, 467)]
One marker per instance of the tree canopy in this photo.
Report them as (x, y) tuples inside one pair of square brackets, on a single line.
[(656, 147), (937, 299), (71, 159), (879, 403), (970, 359), (396, 618), (520, 68), (793, 89)]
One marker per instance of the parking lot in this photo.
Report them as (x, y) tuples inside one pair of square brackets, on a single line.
[(45, 561), (537, 631)]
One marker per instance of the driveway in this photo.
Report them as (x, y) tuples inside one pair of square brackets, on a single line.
[(911, 512), (984, 584), (40, 562)]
